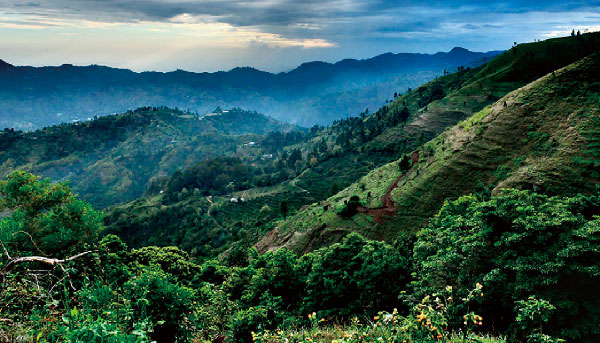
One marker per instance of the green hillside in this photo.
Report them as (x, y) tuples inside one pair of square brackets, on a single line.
[(337, 157), (112, 159), (535, 137)]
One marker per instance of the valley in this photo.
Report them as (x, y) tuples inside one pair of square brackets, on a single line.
[(385, 225)]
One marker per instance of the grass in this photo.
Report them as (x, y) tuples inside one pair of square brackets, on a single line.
[(371, 187), (370, 332)]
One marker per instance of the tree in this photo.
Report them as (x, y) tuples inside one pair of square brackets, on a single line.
[(334, 188), (295, 156), (47, 219), (47, 230), (404, 114), (354, 277), (284, 209), (404, 163), (351, 207)]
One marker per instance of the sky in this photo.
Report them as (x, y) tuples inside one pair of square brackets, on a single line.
[(271, 35)]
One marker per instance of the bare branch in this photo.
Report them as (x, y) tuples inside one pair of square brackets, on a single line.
[(30, 238), (46, 260), (5, 251)]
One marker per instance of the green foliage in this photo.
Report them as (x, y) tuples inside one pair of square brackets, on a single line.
[(352, 277), (518, 243), (209, 175), (351, 207), (245, 321), (46, 218), (404, 163), (277, 289), (426, 322), (171, 260), (532, 314), (165, 302)]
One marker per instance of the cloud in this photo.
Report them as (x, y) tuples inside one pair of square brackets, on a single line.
[(27, 4), (308, 29)]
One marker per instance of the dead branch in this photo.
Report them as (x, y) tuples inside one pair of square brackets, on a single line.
[(30, 238), (5, 251), (46, 260)]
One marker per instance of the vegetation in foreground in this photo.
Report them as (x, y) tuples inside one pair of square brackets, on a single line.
[(514, 264)]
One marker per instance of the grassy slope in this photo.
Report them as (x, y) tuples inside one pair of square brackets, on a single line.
[(433, 107), (533, 141), (111, 159)]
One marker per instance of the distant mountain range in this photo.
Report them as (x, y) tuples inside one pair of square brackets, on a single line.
[(313, 93)]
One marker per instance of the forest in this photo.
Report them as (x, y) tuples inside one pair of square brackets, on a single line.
[(506, 259)]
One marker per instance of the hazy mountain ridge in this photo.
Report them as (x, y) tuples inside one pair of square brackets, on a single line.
[(33, 97)]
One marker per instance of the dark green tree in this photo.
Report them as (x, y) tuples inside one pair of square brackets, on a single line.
[(284, 208)]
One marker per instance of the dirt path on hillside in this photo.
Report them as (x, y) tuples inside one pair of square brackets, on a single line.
[(389, 209), (211, 205), (208, 211)]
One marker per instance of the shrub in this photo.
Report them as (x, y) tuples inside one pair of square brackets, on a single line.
[(156, 296), (351, 208)]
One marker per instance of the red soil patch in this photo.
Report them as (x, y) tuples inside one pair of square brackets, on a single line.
[(388, 209)]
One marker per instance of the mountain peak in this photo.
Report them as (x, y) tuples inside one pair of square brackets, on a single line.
[(458, 49), (5, 66)]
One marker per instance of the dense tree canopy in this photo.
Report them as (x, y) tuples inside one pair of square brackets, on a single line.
[(518, 243)]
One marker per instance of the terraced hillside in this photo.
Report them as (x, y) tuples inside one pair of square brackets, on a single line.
[(537, 137), (445, 101)]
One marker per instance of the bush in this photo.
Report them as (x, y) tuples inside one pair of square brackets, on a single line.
[(246, 321), (351, 208), (156, 296), (46, 218)]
